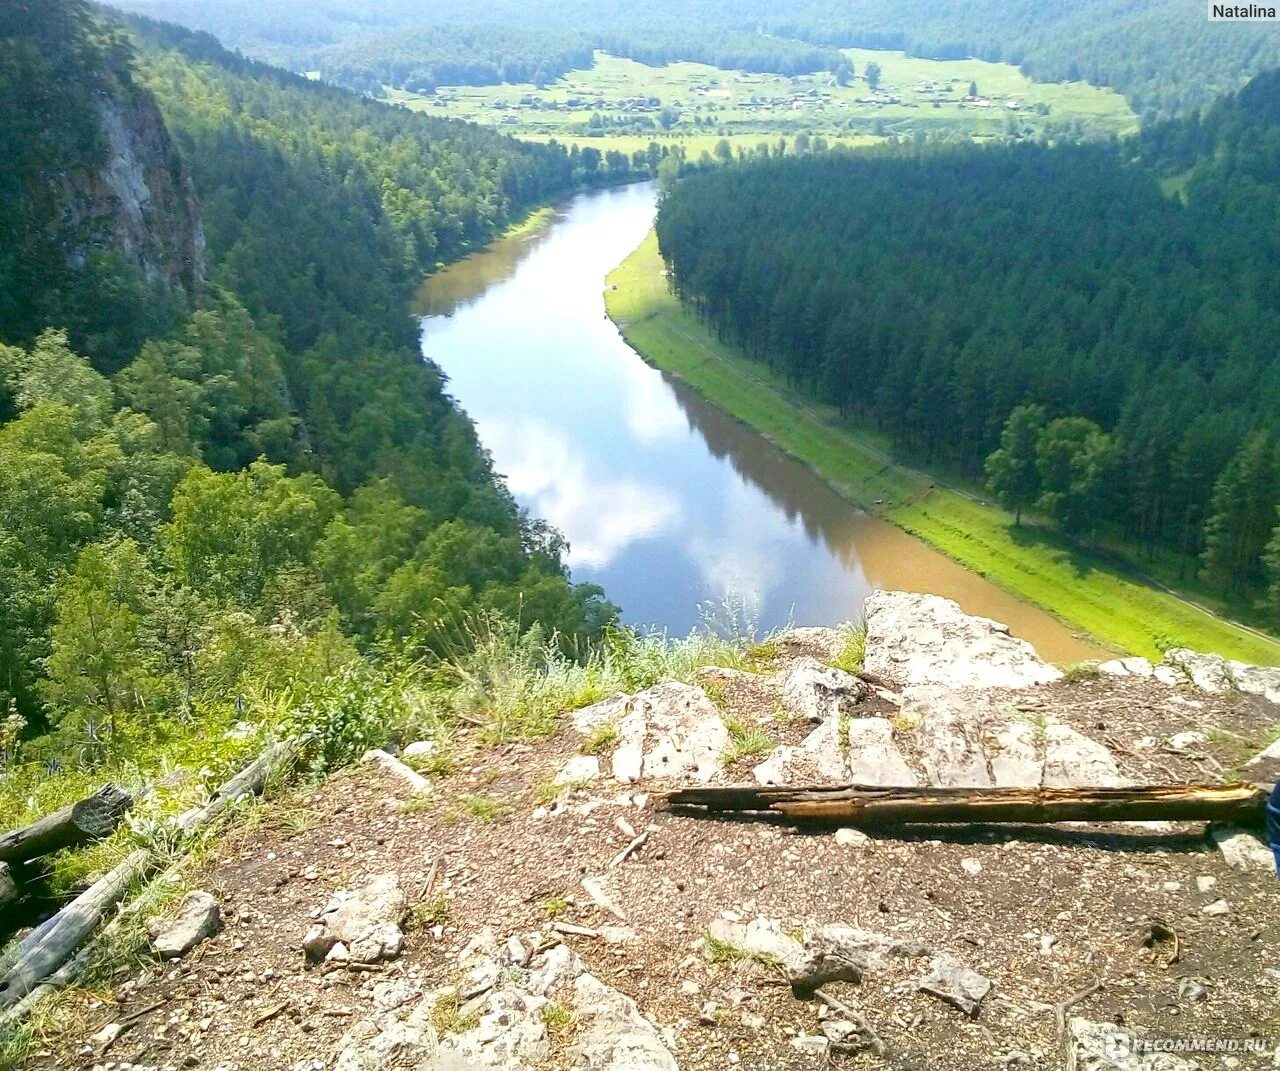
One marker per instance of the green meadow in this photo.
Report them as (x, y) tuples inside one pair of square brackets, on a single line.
[(913, 95)]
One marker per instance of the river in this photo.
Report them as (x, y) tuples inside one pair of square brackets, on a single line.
[(666, 502)]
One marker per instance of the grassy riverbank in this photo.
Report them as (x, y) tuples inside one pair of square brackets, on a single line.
[(1084, 590)]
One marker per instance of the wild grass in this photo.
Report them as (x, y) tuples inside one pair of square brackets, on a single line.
[(559, 1021), (1081, 671), (724, 952), (447, 1017), (514, 685), (439, 763), (601, 738), (745, 740), (483, 808), (428, 913), (547, 792), (854, 651)]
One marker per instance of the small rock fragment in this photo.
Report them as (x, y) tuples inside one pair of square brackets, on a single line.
[(197, 919), (1191, 990), (955, 983)]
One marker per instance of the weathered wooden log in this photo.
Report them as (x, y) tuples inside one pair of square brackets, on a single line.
[(9, 892), (53, 943), (47, 958), (864, 805), (88, 819), (248, 782)]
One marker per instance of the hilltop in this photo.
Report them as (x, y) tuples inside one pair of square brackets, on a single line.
[(531, 904)]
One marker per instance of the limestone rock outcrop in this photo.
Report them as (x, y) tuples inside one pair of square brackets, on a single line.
[(925, 639)]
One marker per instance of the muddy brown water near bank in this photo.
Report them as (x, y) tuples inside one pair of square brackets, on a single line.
[(667, 502)]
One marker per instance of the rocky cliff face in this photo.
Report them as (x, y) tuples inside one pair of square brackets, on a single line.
[(139, 200)]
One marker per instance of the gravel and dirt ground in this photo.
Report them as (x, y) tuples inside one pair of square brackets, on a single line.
[(1151, 930)]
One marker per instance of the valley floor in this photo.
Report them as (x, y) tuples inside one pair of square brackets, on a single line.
[(1084, 590)]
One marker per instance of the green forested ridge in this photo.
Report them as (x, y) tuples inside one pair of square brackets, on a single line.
[(269, 505), (422, 59), (1164, 55), (937, 294)]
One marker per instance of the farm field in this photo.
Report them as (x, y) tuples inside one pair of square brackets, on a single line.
[(622, 97)]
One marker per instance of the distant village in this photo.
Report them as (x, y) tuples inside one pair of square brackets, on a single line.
[(711, 95)]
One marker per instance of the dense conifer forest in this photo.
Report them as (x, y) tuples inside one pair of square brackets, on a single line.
[(1089, 328), (270, 492)]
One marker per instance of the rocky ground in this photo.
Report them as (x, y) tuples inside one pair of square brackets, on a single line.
[(536, 907)]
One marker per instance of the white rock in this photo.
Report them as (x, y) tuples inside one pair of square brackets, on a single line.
[(971, 867), (1107, 1047), (671, 731), (820, 692), (1216, 909), (578, 769), (851, 838), (874, 758), (397, 768), (198, 918), (105, 1037), (1208, 672), (818, 758), (836, 952), (761, 937), (367, 921), (1072, 759), (1126, 667), (420, 749), (615, 1036), (1183, 741), (925, 639), (822, 643), (948, 730), (1243, 849), (810, 1044), (1256, 680), (1013, 750), (952, 981)]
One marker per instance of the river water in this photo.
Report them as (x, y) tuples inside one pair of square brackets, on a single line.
[(666, 502)]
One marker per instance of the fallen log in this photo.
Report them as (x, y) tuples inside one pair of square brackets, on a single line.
[(91, 818), (866, 805), (248, 782), (9, 893), (51, 956), (54, 942)]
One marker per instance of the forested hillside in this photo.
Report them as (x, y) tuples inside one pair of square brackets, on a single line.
[(1114, 341), (1164, 55), (422, 59), (272, 498)]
